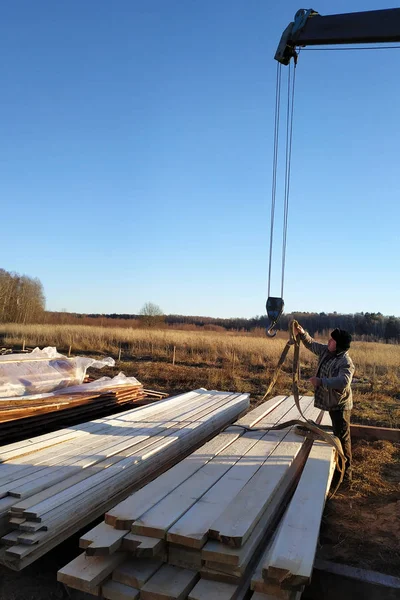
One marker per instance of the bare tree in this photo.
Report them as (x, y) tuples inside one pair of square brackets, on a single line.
[(151, 315)]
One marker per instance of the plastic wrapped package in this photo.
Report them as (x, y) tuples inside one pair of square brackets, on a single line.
[(98, 385), (43, 371)]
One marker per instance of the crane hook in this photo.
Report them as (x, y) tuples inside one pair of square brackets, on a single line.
[(274, 308)]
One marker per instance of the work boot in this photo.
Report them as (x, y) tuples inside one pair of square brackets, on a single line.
[(348, 476)]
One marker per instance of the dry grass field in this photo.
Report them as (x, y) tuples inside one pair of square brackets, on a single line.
[(221, 360)]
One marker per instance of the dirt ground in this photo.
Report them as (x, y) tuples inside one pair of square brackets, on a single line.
[(361, 526)]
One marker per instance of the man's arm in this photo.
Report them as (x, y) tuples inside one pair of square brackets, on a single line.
[(309, 342)]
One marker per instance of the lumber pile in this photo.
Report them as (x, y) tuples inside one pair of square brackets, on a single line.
[(44, 390), (287, 562), (200, 530), (53, 485), (44, 370), (24, 417)]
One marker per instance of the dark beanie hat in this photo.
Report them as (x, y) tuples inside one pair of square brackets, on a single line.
[(342, 339)]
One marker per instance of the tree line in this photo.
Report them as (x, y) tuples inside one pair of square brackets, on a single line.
[(363, 326), (21, 298), (368, 326)]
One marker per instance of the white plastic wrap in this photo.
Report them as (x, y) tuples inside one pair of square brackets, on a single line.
[(99, 385), (43, 371)]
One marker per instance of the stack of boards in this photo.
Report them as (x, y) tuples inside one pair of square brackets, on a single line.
[(53, 485), (22, 417), (240, 515)]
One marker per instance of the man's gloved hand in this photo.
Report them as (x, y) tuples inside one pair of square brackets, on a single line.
[(315, 381), (298, 329)]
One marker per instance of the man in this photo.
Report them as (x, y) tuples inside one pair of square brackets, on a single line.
[(332, 383)]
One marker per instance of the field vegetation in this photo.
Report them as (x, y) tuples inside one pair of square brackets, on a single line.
[(174, 360)]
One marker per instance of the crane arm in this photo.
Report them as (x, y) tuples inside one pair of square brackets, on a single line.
[(310, 28)]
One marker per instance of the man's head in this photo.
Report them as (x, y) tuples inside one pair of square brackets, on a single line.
[(342, 340)]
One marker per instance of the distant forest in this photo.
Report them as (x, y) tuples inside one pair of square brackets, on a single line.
[(364, 326)]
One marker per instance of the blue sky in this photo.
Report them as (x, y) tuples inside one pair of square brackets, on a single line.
[(136, 143)]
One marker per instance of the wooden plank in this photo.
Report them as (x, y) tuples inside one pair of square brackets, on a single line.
[(271, 589), (30, 527), (30, 446), (16, 521), (136, 571), (192, 528), (237, 522), (123, 515), (241, 556), (10, 539), (254, 416), (156, 521), (112, 590), (187, 558), (102, 534), (237, 572), (88, 572), (142, 545), (292, 556), (366, 432), (169, 583), (332, 580), (5, 505), (212, 590), (106, 544), (219, 572)]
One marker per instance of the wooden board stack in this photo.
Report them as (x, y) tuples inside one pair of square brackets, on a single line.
[(286, 565), (199, 530), (53, 485), (21, 417)]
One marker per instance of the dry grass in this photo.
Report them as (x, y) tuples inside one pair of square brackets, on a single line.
[(221, 360)]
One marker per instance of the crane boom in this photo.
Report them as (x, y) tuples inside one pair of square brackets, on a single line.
[(310, 28)]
